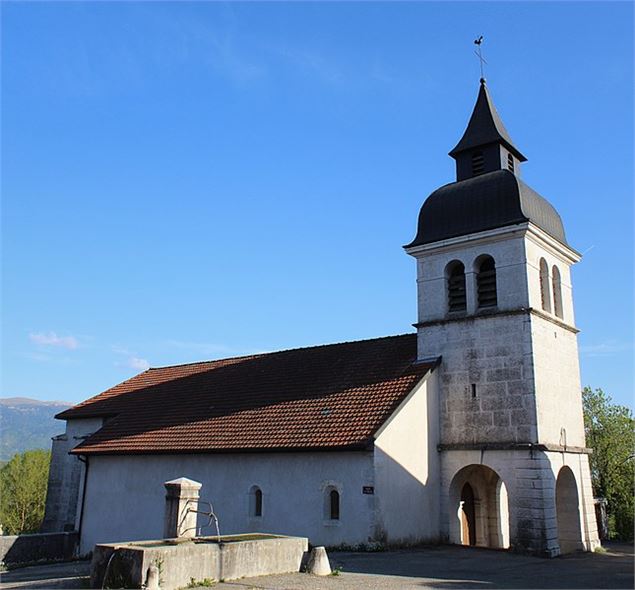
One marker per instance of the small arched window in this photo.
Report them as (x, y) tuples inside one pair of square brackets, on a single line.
[(486, 282), (557, 291), (331, 512), (255, 502), (545, 293), (455, 272), (334, 505), (478, 163)]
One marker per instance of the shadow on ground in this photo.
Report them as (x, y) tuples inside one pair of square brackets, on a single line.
[(446, 567), (469, 567)]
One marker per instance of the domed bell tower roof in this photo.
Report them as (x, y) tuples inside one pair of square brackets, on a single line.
[(488, 192)]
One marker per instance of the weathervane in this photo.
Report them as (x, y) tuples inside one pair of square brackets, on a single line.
[(478, 42)]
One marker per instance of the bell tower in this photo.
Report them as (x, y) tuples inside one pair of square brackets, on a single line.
[(495, 303)]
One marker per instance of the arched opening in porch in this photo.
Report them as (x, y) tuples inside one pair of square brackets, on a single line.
[(568, 512), (479, 510)]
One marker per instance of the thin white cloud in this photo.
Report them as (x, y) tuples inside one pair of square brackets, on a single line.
[(312, 62), (136, 363), (37, 356), (608, 348), (120, 349), (52, 339), (133, 361), (204, 348)]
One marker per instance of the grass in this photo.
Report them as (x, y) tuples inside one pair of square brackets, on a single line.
[(205, 583), (599, 549)]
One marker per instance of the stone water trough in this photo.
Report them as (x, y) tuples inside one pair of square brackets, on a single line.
[(182, 557)]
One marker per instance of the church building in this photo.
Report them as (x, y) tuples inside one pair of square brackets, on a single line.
[(468, 431)]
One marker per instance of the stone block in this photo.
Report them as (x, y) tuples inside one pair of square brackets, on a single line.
[(517, 387), (492, 389), (482, 419), (529, 492), (525, 433), (522, 416), (493, 375), (502, 418)]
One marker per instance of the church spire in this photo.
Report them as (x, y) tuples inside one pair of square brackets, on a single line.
[(485, 127), (485, 138)]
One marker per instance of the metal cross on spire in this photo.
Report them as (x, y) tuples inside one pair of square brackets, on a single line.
[(478, 42)]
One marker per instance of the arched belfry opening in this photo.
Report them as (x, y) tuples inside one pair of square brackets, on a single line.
[(479, 510), (568, 512), (456, 291)]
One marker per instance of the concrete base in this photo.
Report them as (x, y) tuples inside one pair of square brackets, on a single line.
[(126, 565), (318, 564)]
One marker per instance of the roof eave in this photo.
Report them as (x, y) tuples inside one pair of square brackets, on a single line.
[(458, 149), (361, 446)]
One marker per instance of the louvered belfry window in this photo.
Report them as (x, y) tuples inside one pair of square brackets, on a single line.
[(456, 287), (478, 163), (510, 162), (557, 291), (486, 283), (545, 295)]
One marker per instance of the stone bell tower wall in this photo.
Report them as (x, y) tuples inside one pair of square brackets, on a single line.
[(557, 383), (486, 378), (509, 374), (506, 246)]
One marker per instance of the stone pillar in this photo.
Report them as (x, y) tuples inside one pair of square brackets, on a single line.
[(181, 499), (532, 505)]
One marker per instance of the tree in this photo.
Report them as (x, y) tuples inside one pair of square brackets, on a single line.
[(23, 483), (610, 432)]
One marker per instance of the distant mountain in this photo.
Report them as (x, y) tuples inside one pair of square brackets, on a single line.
[(27, 424)]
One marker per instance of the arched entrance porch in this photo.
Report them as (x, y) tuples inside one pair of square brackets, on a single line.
[(479, 511), (568, 512)]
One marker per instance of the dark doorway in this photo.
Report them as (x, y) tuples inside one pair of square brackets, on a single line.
[(567, 512), (468, 528)]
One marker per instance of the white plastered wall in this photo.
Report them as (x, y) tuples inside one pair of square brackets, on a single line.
[(407, 470), (125, 494)]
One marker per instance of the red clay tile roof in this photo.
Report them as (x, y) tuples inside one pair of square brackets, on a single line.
[(320, 398)]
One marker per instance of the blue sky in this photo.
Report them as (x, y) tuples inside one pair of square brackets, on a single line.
[(198, 180)]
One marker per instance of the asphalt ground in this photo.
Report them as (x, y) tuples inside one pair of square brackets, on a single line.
[(449, 567)]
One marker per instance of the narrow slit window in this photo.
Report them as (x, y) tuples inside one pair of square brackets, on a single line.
[(255, 502), (258, 503), (486, 283), (456, 287), (334, 504)]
